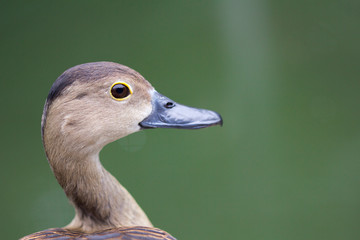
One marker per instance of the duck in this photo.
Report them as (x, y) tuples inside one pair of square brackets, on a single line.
[(89, 106)]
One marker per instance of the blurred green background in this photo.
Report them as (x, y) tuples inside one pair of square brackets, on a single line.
[(283, 74)]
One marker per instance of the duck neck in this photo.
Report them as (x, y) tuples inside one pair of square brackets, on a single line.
[(100, 201)]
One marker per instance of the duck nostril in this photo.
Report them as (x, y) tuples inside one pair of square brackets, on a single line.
[(169, 105)]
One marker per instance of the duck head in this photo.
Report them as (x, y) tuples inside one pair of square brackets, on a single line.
[(93, 104)]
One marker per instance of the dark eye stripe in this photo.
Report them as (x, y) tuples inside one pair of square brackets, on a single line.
[(120, 91)]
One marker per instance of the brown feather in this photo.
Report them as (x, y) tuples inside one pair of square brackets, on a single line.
[(122, 233)]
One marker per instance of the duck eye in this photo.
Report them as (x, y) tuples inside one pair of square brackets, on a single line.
[(120, 91)]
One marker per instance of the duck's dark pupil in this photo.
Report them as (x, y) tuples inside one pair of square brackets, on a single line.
[(120, 91)]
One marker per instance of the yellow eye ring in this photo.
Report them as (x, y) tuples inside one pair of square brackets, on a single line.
[(120, 91)]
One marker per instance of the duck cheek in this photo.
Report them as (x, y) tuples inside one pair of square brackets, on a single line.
[(120, 128), (124, 119)]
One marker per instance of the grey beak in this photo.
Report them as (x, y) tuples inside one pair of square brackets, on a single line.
[(169, 114)]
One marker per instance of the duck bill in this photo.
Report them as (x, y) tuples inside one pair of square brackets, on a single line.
[(169, 114)]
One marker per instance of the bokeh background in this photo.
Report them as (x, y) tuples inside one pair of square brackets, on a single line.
[(283, 74)]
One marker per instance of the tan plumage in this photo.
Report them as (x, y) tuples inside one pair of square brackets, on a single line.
[(82, 115), (124, 233)]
